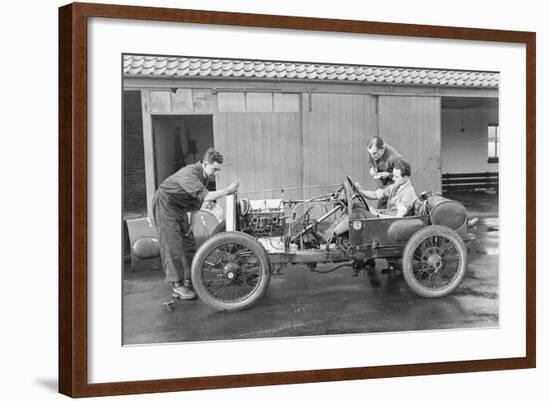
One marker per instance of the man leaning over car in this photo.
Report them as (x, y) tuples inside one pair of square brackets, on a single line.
[(182, 192), (382, 158)]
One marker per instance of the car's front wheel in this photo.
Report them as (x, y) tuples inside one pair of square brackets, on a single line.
[(231, 271)]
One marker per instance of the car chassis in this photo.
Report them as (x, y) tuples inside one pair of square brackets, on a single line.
[(232, 269)]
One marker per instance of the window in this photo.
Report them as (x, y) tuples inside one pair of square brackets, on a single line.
[(493, 149)]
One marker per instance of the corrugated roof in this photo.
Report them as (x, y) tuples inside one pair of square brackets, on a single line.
[(184, 67)]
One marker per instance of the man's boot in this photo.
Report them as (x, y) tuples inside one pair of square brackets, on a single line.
[(182, 291)]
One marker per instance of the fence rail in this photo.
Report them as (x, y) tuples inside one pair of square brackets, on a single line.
[(469, 181)]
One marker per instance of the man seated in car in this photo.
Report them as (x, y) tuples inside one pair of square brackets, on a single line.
[(400, 200), (400, 195)]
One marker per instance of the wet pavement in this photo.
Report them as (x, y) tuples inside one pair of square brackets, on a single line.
[(302, 303)]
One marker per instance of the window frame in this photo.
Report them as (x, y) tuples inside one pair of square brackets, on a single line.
[(494, 159)]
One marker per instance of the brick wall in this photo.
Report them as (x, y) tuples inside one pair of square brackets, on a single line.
[(135, 201)]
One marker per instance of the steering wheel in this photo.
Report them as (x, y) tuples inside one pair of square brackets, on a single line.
[(355, 192)]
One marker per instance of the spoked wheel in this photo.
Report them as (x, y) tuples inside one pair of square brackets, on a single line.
[(434, 261), (230, 271)]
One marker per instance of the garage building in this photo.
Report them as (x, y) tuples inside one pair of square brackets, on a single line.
[(295, 130)]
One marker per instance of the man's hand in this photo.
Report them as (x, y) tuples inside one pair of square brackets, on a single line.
[(382, 174), (233, 188), (372, 171)]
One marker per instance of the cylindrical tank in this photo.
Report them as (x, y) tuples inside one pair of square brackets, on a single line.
[(446, 212), (203, 224), (146, 247)]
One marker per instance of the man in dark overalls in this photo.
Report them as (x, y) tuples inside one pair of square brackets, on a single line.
[(183, 192), (382, 158)]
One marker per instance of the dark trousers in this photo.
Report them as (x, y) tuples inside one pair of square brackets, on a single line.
[(176, 241)]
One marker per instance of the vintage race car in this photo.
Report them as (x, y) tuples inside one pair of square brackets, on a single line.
[(232, 269)]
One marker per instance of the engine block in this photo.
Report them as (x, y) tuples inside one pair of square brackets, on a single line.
[(262, 217)]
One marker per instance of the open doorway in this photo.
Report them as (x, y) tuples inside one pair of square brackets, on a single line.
[(180, 140), (469, 143)]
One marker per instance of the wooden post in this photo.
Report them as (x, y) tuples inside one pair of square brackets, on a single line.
[(230, 213), (148, 150)]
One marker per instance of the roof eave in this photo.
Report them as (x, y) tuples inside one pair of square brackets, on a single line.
[(301, 80)]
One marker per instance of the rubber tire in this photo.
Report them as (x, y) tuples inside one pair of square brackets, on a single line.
[(408, 252), (237, 238)]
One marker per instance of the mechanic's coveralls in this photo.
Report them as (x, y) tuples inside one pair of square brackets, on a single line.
[(182, 192), (385, 164)]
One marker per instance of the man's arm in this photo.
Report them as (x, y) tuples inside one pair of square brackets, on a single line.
[(403, 207), (401, 212), (380, 193), (213, 195), (372, 163), (373, 167), (372, 195)]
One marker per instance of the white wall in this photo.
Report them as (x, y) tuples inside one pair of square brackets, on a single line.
[(29, 240), (466, 152)]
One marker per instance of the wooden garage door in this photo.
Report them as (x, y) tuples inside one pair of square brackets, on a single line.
[(262, 151), (336, 130), (413, 126)]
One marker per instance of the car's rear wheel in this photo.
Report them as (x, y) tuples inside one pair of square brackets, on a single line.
[(434, 261), (231, 271)]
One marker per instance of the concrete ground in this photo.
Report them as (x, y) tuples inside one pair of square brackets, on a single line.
[(301, 303)]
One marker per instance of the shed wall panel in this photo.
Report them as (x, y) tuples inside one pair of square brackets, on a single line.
[(259, 102), (204, 101), (336, 130), (262, 151), (412, 125), (289, 102), (160, 101), (182, 100), (231, 101)]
